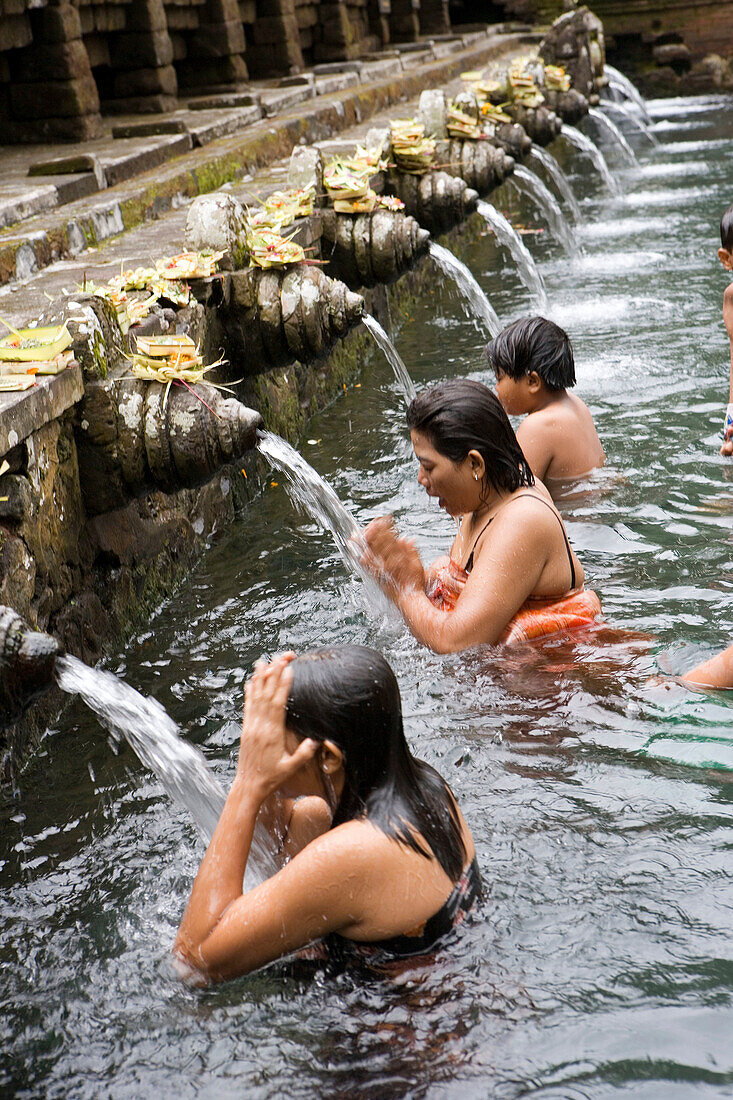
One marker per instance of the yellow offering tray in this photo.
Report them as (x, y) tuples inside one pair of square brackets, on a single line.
[(162, 347), (29, 345)]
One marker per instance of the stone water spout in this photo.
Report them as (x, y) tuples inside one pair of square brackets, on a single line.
[(483, 165), (540, 123), (571, 106), (513, 138), (436, 199), (276, 316), (133, 436), (368, 249), (27, 660), (575, 41)]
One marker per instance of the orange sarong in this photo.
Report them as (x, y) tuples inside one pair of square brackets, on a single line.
[(535, 619)]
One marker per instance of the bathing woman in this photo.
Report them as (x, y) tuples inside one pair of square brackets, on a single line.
[(376, 856), (511, 554)]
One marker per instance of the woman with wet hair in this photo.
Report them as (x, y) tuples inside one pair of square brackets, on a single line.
[(511, 573), (376, 858)]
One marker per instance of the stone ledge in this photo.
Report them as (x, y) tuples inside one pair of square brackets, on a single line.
[(61, 235), (23, 413)]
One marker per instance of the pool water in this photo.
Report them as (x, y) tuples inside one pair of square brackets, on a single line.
[(600, 797)]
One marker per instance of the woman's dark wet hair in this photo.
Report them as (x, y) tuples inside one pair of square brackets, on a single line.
[(534, 344), (349, 695), (459, 416), (726, 230)]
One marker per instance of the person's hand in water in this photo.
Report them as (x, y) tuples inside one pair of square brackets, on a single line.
[(727, 445), (393, 561), (265, 760)]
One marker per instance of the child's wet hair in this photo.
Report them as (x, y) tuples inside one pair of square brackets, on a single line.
[(533, 344), (726, 230)]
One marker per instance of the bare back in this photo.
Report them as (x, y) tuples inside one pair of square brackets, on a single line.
[(560, 440)]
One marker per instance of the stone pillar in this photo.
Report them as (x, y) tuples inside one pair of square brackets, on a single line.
[(342, 33), (434, 17), (404, 22), (275, 40), (141, 57), (52, 95), (215, 51), (379, 13)]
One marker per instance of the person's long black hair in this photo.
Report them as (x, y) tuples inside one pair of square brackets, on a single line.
[(459, 416), (349, 695)]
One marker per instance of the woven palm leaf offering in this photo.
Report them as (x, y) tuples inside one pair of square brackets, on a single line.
[(556, 79), (524, 90), (170, 359), (188, 265), (462, 125), (346, 180), (26, 352), (494, 113), (281, 208), (412, 151), (267, 248)]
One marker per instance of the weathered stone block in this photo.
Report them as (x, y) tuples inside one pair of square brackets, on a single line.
[(55, 98), (61, 61), (59, 23), (143, 82), (142, 50), (218, 40)]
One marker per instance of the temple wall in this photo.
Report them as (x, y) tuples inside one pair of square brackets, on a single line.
[(667, 46)]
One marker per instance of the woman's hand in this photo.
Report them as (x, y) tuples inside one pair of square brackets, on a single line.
[(394, 562), (264, 760)]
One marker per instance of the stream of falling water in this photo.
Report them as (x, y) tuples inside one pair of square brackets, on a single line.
[(480, 310), (606, 124), (625, 111), (156, 741), (507, 235), (562, 183), (400, 370), (527, 182), (585, 145), (630, 90)]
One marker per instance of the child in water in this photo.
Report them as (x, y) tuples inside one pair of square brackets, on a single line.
[(725, 255), (534, 366)]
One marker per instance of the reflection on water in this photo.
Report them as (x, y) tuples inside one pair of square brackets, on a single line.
[(598, 794)]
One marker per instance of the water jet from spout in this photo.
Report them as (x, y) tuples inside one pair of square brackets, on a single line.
[(625, 111), (611, 128), (528, 183), (558, 177), (507, 236), (480, 309), (400, 370), (586, 145), (630, 90)]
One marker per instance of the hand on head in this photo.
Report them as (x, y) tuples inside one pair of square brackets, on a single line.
[(264, 759), (393, 561)]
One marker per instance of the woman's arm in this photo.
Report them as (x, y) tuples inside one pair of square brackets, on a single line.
[(224, 932), (505, 573)]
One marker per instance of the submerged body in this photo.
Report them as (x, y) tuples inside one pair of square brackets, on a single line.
[(511, 547), (534, 366), (560, 440), (373, 848)]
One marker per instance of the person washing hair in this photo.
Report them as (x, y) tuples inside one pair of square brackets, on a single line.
[(534, 366), (725, 255), (377, 859), (511, 573)]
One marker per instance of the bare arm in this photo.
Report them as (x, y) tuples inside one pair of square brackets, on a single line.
[(505, 573), (224, 932)]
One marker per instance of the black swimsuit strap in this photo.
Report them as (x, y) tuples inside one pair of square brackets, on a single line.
[(469, 563)]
